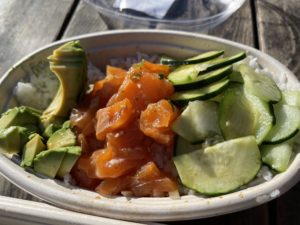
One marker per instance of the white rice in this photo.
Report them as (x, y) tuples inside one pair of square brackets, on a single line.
[(68, 180), (38, 92), (127, 62), (94, 74)]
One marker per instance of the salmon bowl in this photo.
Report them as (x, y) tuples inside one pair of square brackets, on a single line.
[(122, 44)]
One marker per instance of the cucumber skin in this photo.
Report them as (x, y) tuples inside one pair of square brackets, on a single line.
[(200, 83), (230, 60), (271, 108), (193, 71), (265, 113), (183, 146), (287, 126), (281, 140), (172, 62), (207, 96)]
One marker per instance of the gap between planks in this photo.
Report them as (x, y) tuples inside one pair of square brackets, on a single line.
[(67, 20)]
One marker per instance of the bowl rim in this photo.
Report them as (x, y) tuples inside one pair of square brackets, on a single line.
[(204, 21), (150, 209)]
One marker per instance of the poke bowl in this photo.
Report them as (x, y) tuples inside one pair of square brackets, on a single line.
[(103, 49)]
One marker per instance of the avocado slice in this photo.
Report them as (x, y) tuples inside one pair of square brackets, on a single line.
[(50, 130), (13, 138), (68, 63), (61, 138), (20, 116), (67, 124), (34, 146), (48, 162), (56, 162), (69, 161)]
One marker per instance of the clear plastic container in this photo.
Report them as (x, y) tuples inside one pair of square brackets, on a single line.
[(188, 15)]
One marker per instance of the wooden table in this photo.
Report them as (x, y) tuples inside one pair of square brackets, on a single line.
[(273, 26)]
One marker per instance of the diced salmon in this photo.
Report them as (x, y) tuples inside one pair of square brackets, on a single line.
[(124, 149), (149, 181), (149, 171), (155, 188), (84, 163), (82, 180), (116, 74), (108, 164), (156, 120), (83, 117), (105, 88), (110, 84), (156, 68), (113, 118), (113, 186), (155, 88), (142, 87), (130, 90), (84, 173), (129, 137)]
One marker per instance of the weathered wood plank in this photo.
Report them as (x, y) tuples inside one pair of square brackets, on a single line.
[(25, 26), (286, 207), (85, 20), (237, 28), (279, 36), (279, 31)]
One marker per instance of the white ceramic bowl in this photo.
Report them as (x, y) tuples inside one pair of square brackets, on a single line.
[(101, 47)]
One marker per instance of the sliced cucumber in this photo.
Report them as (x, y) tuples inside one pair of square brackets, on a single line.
[(296, 138), (278, 156), (183, 146), (242, 114), (236, 115), (197, 122), (221, 62), (203, 80), (188, 73), (236, 76), (220, 168), (264, 117), (203, 93), (287, 124), (194, 60), (291, 98), (164, 58), (260, 85)]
